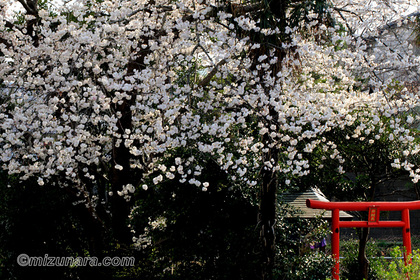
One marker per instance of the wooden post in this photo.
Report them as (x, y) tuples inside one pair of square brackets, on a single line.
[(405, 217), (335, 243)]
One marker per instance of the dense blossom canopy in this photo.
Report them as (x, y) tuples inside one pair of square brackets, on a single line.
[(85, 82)]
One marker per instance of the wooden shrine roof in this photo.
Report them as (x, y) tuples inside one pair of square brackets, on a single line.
[(298, 201)]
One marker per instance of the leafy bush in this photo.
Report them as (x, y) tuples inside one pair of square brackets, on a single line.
[(295, 259), (396, 269), (349, 265), (310, 266)]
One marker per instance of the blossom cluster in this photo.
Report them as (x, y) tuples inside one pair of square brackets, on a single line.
[(95, 79)]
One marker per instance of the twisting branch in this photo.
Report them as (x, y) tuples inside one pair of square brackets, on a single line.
[(210, 75), (239, 9), (339, 10), (29, 6)]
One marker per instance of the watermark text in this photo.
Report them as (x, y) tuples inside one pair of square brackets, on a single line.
[(46, 260)]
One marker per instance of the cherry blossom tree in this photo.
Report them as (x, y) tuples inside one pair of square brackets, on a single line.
[(97, 95)]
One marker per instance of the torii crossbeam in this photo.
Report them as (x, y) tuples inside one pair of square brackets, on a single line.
[(373, 221)]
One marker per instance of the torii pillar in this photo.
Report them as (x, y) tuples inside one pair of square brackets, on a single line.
[(374, 209)]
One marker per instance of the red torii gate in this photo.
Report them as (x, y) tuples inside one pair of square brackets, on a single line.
[(373, 221)]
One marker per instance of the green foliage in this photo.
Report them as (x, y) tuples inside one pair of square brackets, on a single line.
[(295, 259), (396, 269), (349, 266), (310, 266)]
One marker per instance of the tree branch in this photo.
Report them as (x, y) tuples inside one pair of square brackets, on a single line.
[(347, 11), (210, 75), (29, 6), (239, 10), (5, 42)]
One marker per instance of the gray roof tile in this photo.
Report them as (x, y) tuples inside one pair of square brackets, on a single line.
[(298, 201)]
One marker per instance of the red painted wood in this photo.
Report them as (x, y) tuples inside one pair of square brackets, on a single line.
[(335, 243), (363, 206), (373, 221), (350, 224), (405, 217)]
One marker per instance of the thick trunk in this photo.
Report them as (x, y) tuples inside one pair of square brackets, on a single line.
[(120, 209), (364, 234), (362, 258), (267, 220), (267, 213)]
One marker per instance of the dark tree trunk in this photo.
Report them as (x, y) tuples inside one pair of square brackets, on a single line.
[(362, 258), (364, 233), (267, 220), (269, 183), (120, 209), (267, 212), (122, 156)]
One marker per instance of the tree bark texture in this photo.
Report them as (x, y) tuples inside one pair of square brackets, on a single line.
[(267, 211), (362, 258)]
